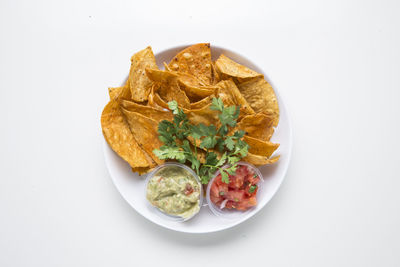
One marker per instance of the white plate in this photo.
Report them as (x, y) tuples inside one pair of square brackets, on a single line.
[(131, 186)]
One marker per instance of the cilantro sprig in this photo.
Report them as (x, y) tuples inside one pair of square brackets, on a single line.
[(176, 136)]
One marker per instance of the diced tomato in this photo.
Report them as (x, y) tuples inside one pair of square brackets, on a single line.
[(253, 179), (246, 203), (235, 195), (237, 180), (230, 204), (241, 191), (214, 190), (216, 199), (249, 192)]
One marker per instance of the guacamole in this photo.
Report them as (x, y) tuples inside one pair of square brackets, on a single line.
[(174, 191)]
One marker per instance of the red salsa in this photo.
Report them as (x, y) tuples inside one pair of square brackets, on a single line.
[(241, 191)]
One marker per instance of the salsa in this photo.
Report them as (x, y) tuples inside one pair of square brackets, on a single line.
[(240, 193), (174, 191)]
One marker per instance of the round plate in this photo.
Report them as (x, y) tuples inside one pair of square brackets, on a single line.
[(131, 185)]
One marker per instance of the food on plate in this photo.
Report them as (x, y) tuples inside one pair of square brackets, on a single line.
[(138, 82), (261, 97), (206, 114), (175, 191), (239, 194), (228, 67), (194, 60)]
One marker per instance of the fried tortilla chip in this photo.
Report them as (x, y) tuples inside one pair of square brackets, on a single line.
[(231, 96), (144, 130), (169, 89), (229, 68), (260, 147), (114, 92), (214, 74), (118, 135), (166, 66), (258, 160), (195, 60), (261, 97), (154, 113), (203, 115), (201, 103), (189, 79), (257, 126), (159, 101), (139, 83), (196, 93)]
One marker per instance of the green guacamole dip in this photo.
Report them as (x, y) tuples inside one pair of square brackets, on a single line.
[(174, 191)]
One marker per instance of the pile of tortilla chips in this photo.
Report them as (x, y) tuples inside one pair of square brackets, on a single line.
[(130, 119)]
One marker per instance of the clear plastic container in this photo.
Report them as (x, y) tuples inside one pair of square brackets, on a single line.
[(161, 213), (233, 214)]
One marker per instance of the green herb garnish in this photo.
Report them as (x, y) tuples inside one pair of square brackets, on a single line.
[(252, 188), (178, 135)]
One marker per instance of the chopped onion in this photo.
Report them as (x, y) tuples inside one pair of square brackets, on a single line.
[(223, 204)]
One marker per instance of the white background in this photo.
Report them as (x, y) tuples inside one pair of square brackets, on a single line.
[(336, 65)]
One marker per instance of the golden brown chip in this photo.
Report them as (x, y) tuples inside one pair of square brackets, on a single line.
[(203, 115), (215, 77), (196, 93), (261, 97), (166, 67), (258, 160), (139, 83), (153, 113), (114, 92), (231, 96), (118, 135), (201, 103), (195, 60), (169, 89), (144, 130), (260, 147), (230, 68), (257, 126), (159, 101)]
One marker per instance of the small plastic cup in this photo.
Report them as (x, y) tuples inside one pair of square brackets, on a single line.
[(232, 214), (161, 213)]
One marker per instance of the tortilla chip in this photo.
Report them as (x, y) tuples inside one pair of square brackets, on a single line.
[(257, 126), (215, 77), (260, 147), (229, 68), (114, 92), (195, 60), (201, 103), (258, 160), (144, 129), (196, 93), (203, 115), (231, 96), (153, 113), (261, 97), (169, 89), (118, 135), (166, 66), (139, 83), (159, 101)]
